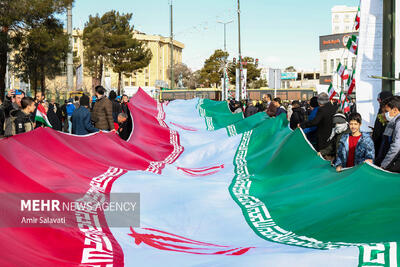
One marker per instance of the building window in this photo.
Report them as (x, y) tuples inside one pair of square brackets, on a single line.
[(325, 67), (146, 84), (336, 28), (337, 62), (126, 83), (354, 59), (332, 65), (133, 84), (345, 61)]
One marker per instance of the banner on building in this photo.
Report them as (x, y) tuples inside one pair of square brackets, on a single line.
[(244, 84), (79, 77)]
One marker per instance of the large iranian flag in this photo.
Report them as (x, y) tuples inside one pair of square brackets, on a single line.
[(215, 189)]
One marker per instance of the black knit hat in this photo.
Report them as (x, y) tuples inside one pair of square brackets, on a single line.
[(385, 94), (314, 102), (84, 101), (339, 118)]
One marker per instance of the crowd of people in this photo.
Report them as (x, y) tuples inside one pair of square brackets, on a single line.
[(334, 134), (78, 116)]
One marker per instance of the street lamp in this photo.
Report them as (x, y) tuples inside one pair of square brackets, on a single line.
[(240, 56), (225, 23), (172, 45), (224, 89)]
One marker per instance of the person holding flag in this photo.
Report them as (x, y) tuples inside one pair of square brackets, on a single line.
[(323, 121), (41, 115), (355, 148)]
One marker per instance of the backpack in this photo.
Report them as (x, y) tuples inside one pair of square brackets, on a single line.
[(9, 126)]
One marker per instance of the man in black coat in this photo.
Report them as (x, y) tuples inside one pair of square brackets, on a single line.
[(298, 115), (380, 124), (250, 109), (323, 121)]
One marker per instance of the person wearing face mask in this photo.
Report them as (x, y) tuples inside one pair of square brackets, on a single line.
[(382, 148), (341, 127), (391, 147), (355, 148)]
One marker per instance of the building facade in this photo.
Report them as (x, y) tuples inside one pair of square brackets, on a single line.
[(343, 19), (333, 48), (153, 75)]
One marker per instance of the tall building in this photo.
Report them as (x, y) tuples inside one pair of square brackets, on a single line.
[(153, 75), (343, 19), (333, 48)]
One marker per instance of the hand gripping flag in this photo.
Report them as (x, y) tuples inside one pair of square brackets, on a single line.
[(352, 44), (41, 116)]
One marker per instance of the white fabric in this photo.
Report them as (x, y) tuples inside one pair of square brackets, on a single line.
[(201, 208)]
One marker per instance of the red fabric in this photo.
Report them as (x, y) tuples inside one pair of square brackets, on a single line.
[(116, 126), (353, 141), (47, 161)]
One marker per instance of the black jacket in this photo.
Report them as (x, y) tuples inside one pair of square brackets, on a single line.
[(53, 118), (250, 111), (125, 108), (2, 119), (116, 110), (298, 116), (377, 133), (324, 124)]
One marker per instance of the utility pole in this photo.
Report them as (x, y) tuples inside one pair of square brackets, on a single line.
[(70, 63), (388, 62), (172, 46), (224, 89), (8, 73), (240, 54)]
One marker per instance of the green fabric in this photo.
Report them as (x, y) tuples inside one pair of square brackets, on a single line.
[(42, 120), (247, 124), (288, 194), (217, 114), (304, 196)]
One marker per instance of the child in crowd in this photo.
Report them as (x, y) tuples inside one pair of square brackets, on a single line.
[(355, 148)]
